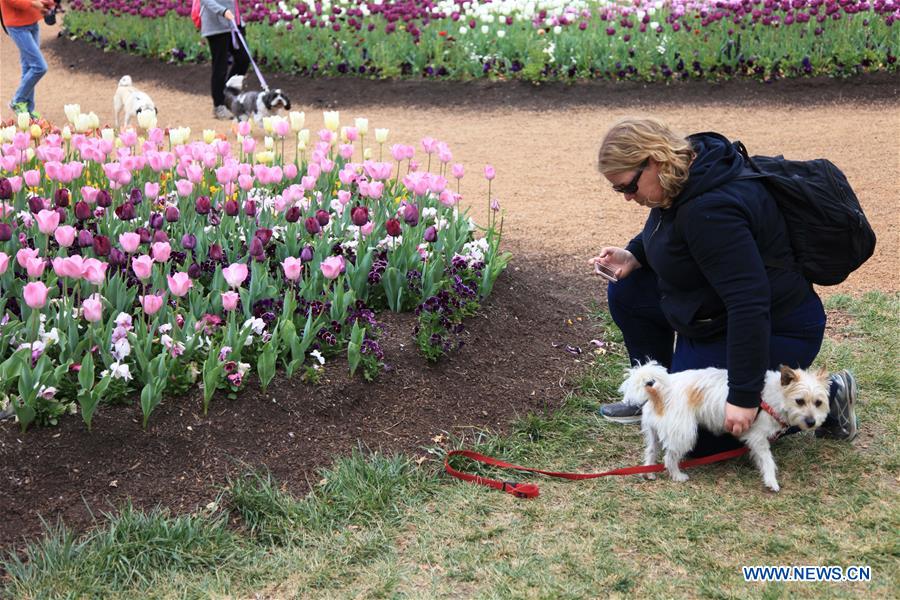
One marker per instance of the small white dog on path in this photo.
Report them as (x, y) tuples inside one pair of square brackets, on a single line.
[(675, 404), (130, 100)]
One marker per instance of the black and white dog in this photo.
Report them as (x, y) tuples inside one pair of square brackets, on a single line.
[(258, 105)]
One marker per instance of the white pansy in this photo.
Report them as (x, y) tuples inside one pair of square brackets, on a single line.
[(318, 356)]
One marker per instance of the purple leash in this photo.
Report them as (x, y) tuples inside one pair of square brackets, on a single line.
[(235, 30)]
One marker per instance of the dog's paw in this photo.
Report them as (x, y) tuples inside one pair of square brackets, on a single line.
[(773, 485), (650, 476), (680, 477)]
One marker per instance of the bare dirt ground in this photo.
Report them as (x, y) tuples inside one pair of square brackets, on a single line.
[(542, 140)]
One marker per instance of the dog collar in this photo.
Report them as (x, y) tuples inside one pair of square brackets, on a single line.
[(765, 406)]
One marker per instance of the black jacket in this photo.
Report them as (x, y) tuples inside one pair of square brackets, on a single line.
[(709, 251)]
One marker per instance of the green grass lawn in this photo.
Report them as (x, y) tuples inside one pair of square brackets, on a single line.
[(379, 526)]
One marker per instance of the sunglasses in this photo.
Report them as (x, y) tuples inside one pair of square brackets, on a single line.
[(632, 186)]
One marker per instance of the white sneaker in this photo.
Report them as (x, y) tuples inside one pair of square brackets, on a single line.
[(221, 112)]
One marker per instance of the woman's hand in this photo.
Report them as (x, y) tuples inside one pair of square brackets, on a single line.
[(619, 260), (41, 6), (738, 420), (229, 15)]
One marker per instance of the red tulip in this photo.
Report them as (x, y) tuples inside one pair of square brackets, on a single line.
[(393, 227)]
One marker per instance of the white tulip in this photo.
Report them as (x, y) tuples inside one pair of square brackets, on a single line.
[(72, 111), (108, 134), (146, 119), (23, 120), (303, 136), (362, 125), (381, 135), (268, 142), (332, 119), (209, 135), (297, 120)]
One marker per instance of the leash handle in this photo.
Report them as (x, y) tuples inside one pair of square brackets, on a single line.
[(235, 30), (531, 490)]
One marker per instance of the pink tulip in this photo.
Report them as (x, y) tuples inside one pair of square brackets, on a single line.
[(248, 145), (151, 189), (244, 128), (179, 284), (290, 171), (245, 181), (282, 127), (95, 270), (130, 241), (92, 308), (65, 236), (35, 267), (160, 251), (230, 300), (489, 172), (35, 294), (235, 274), (292, 268), (48, 221), (398, 152), (142, 266), (32, 177), (332, 266), (457, 171), (4, 262), (151, 304), (24, 254), (184, 187), (366, 229), (429, 144), (71, 267)]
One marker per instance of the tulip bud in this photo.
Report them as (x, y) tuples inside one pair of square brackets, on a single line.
[(194, 271), (117, 258), (61, 197), (5, 232), (232, 208), (103, 199), (160, 236), (215, 252), (6, 190), (293, 214), (306, 254), (172, 214), (156, 221), (85, 239), (125, 211), (256, 248), (35, 204), (430, 234), (101, 245), (136, 196), (312, 226), (145, 234), (250, 208), (411, 215), (188, 241), (264, 235), (393, 227), (359, 215), (202, 205), (82, 210), (322, 217)]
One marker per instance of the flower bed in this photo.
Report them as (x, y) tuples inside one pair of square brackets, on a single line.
[(142, 265), (533, 40)]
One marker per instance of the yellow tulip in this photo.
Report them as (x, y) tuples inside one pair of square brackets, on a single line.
[(35, 131), (332, 119), (209, 135)]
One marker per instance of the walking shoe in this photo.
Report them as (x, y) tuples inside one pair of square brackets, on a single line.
[(841, 422), (221, 112), (619, 412)]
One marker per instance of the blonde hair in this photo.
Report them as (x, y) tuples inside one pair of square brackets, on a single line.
[(632, 140)]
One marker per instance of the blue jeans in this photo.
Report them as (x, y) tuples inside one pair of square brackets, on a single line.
[(634, 305), (28, 40)]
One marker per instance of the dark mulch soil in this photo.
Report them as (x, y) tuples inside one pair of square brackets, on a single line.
[(507, 366), (347, 92)]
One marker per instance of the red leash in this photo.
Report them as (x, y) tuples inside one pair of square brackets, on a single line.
[(530, 490)]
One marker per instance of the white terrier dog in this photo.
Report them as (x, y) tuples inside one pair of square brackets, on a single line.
[(130, 101), (675, 404)]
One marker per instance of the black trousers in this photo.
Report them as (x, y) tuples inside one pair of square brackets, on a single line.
[(221, 47)]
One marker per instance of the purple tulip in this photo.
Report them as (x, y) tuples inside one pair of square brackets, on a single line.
[(306, 254), (160, 236), (35, 204), (202, 205), (322, 217), (232, 208), (264, 235), (411, 215), (215, 252), (136, 196), (256, 249), (172, 214), (312, 226), (125, 211), (156, 221), (117, 258), (5, 189), (85, 239), (5, 232), (61, 197), (145, 234), (194, 271), (393, 227), (359, 215), (189, 241), (430, 234), (62, 214), (104, 199), (250, 208), (101, 245), (82, 210), (293, 214)]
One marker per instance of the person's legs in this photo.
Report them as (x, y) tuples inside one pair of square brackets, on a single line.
[(240, 60), (218, 49), (27, 40), (634, 306)]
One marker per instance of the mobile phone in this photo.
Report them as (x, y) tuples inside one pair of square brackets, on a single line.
[(605, 272)]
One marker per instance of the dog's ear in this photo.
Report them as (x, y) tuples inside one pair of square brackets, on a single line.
[(787, 375), (822, 374)]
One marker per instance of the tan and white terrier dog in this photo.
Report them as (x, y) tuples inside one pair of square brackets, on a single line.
[(675, 404)]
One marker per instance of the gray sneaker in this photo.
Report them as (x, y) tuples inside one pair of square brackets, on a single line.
[(221, 112), (841, 423), (619, 412)]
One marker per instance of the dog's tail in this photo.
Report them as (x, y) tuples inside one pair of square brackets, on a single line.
[(125, 81), (645, 383), (235, 84)]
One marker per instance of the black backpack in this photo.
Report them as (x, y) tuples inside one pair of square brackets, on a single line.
[(830, 235)]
